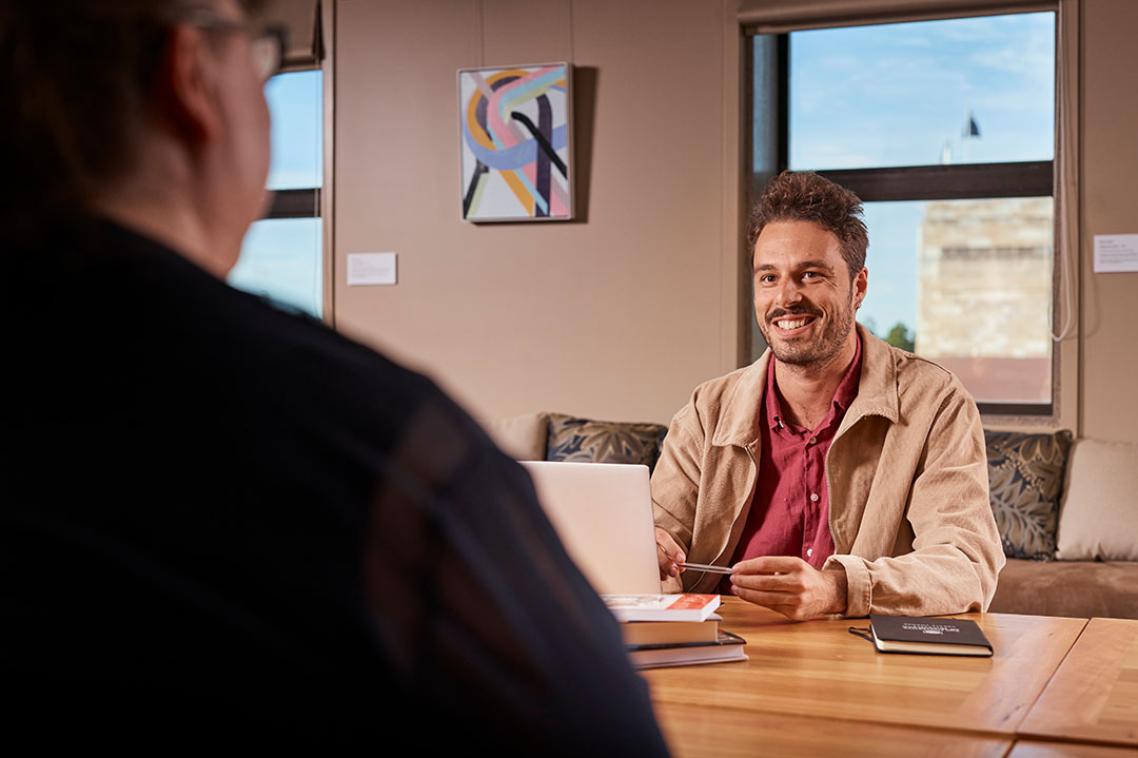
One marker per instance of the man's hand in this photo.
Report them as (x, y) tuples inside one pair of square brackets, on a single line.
[(669, 554), (790, 586)]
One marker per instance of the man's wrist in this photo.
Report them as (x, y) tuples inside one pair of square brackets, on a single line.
[(839, 589)]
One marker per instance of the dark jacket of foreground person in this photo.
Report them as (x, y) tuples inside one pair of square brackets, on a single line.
[(220, 516)]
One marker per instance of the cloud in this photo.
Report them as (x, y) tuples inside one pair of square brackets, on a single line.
[(892, 94), (1036, 62)]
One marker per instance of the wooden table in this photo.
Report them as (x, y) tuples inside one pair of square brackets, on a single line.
[(1094, 695), (693, 730), (1034, 749), (813, 688)]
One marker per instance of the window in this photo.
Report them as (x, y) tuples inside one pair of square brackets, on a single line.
[(282, 257), (946, 130)]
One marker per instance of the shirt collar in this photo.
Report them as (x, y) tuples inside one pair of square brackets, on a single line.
[(844, 394), (742, 400)]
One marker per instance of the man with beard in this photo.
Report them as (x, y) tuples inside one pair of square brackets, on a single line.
[(836, 474)]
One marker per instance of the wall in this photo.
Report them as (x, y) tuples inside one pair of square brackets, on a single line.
[(616, 316), (1109, 179), (619, 316)]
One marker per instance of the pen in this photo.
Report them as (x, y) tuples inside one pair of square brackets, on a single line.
[(705, 568)]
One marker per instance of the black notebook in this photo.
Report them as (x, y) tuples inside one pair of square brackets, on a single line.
[(933, 636)]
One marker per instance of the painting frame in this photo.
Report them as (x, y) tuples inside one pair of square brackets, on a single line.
[(501, 184)]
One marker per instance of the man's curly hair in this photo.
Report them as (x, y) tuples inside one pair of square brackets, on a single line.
[(805, 196)]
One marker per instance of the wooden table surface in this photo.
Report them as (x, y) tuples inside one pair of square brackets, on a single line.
[(695, 731), (1035, 749), (818, 670), (1094, 694)]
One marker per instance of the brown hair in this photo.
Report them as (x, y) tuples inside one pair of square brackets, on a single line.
[(76, 79), (805, 196)]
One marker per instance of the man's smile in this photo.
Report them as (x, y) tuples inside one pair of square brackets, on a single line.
[(789, 326)]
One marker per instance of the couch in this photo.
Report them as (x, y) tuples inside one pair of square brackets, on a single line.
[(1090, 567), (1067, 510)]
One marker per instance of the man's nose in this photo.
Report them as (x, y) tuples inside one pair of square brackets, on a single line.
[(789, 293)]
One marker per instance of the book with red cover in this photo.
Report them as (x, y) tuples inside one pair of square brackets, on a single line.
[(685, 607)]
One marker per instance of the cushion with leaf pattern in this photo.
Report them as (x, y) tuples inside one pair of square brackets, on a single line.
[(1025, 482), (586, 440)]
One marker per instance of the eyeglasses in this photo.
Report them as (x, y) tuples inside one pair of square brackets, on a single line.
[(267, 44), (268, 50)]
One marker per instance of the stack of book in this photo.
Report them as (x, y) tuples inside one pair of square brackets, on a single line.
[(674, 630)]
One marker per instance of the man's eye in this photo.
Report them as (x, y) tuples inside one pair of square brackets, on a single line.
[(766, 278), (811, 275)]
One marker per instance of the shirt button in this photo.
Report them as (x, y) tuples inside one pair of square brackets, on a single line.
[(809, 552), (812, 440), (813, 497)]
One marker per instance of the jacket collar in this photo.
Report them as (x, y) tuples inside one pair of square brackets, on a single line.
[(877, 394)]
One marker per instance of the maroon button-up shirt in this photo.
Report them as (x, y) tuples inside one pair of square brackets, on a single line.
[(790, 513)]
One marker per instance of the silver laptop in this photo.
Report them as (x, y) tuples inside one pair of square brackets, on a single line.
[(603, 514)]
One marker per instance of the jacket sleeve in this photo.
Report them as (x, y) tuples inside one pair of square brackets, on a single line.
[(957, 554), (675, 481)]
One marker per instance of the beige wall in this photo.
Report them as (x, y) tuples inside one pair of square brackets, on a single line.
[(1109, 371), (618, 316), (621, 315)]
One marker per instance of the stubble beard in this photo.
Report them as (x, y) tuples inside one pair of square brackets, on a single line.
[(819, 352)]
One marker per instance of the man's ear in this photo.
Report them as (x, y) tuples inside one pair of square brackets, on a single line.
[(860, 287), (186, 85)]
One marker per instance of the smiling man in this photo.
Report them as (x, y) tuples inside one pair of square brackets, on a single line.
[(836, 474)]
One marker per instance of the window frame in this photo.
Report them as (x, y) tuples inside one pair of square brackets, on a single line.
[(910, 183), (294, 203), (317, 202)]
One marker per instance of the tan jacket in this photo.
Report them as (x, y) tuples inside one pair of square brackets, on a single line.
[(907, 473)]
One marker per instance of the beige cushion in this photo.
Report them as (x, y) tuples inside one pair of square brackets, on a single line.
[(1099, 515), (522, 437)]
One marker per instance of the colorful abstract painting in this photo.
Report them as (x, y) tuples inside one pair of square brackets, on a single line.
[(516, 140)]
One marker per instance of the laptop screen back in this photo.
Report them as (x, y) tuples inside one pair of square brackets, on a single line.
[(603, 514)]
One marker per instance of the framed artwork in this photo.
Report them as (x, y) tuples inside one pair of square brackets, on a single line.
[(516, 141)]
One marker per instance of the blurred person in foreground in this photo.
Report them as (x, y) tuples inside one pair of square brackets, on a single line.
[(219, 516)]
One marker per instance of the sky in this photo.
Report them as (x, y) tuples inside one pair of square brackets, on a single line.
[(281, 258), (297, 108), (897, 95)]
